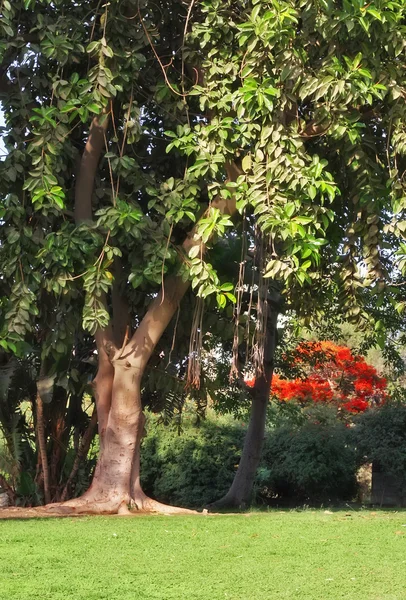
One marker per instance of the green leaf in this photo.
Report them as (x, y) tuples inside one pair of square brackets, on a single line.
[(92, 47), (357, 60), (12, 347), (312, 192), (59, 201), (95, 108), (364, 23), (226, 287), (246, 163), (221, 300), (194, 251), (107, 51), (375, 13), (290, 209), (303, 220), (170, 134)]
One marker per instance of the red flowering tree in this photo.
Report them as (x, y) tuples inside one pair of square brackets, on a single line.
[(331, 374)]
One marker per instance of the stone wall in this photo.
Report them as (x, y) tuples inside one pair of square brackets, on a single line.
[(4, 501)]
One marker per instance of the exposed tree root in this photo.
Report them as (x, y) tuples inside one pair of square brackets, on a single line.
[(92, 504), (119, 506), (145, 504)]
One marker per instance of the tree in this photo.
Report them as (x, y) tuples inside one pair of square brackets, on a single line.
[(82, 104), (135, 130), (306, 86)]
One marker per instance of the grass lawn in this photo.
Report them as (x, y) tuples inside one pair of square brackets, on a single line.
[(307, 555)]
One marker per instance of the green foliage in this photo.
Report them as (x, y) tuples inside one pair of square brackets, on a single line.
[(83, 479), (60, 69), (27, 490), (304, 124), (380, 436), (18, 441), (9, 465), (191, 469), (16, 434), (304, 92), (312, 463), (308, 456)]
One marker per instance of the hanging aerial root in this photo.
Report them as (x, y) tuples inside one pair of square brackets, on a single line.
[(235, 367), (195, 347)]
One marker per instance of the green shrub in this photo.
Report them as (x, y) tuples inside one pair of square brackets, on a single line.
[(380, 436), (191, 469), (314, 462), (310, 462)]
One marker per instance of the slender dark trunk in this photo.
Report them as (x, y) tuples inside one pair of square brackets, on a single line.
[(240, 493), (81, 453), (42, 447), (55, 414)]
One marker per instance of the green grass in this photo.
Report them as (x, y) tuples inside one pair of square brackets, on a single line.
[(306, 555)]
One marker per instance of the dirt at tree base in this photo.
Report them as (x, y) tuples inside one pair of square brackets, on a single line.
[(17, 512)]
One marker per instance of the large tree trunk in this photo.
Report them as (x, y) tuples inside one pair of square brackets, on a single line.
[(110, 489), (116, 482), (240, 492)]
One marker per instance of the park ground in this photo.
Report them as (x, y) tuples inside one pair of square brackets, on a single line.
[(306, 555)]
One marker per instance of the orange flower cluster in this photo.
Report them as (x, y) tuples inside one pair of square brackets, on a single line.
[(333, 375)]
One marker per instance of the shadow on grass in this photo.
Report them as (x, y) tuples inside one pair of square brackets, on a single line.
[(287, 507)]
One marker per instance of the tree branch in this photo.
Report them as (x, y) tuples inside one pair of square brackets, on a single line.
[(120, 319), (87, 170), (83, 204), (164, 306)]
